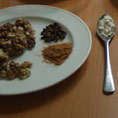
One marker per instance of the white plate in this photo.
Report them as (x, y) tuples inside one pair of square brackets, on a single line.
[(43, 74)]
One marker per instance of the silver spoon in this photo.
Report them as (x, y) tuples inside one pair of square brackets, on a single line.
[(108, 79)]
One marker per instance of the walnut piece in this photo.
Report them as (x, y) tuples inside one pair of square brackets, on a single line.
[(26, 64), (24, 73), (3, 56), (3, 73), (11, 75)]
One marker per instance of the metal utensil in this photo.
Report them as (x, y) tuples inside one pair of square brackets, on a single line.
[(108, 79)]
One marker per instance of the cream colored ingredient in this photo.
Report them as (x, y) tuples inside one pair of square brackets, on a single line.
[(106, 26)]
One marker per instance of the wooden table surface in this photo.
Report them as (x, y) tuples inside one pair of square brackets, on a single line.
[(79, 96)]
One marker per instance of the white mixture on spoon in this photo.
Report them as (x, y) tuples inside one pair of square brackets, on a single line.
[(106, 26)]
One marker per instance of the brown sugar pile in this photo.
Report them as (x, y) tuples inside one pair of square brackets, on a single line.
[(57, 54)]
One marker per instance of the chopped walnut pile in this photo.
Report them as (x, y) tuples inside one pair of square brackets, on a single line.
[(14, 39), (14, 70)]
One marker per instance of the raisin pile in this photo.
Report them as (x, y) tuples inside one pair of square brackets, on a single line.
[(53, 33)]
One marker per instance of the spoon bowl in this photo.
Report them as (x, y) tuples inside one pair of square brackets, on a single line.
[(99, 33)]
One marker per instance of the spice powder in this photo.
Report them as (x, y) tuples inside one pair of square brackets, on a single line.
[(57, 54)]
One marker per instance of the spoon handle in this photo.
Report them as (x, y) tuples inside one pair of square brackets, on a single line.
[(108, 80)]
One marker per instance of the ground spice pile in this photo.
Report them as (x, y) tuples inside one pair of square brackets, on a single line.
[(57, 54)]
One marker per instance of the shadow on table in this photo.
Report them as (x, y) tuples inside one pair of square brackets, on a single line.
[(115, 3), (46, 2), (22, 103), (78, 5)]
